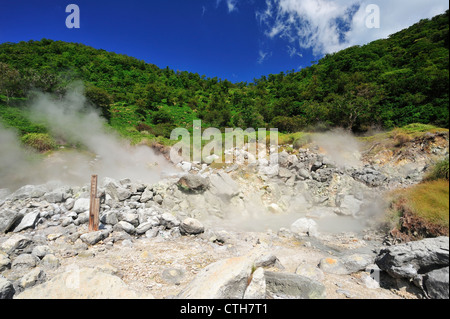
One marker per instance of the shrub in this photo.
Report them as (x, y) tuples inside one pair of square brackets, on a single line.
[(288, 124), (439, 171), (162, 130), (143, 127), (39, 141), (401, 138), (160, 117)]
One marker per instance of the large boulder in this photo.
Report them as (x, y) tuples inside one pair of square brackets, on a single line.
[(305, 227), (7, 290), (16, 244), (193, 183), (414, 258), (293, 286), (84, 283), (223, 185), (28, 221), (9, 219), (81, 205), (224, 279), (29, 191), (436, 283)]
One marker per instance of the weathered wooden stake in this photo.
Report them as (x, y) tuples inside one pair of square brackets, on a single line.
[(94, 207)]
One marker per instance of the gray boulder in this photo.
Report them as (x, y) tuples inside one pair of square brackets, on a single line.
[(24, 261), (54, 197), (93, 238), (305, 227), (84, 283), (193, 183), (81, 205), (146, 195), (293, 286), (124, 226), (29, 191), (5, 262), (9, 219), (436, 283), (28, 221), (169, 221), (191, 226), (224, 279), (7, 290), (223, 185), (16, 244), (32, 278), (346, 265), (414, 258), (349, 206), (109, 218)]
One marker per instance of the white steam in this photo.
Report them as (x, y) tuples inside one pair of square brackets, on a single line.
[(71, 119)]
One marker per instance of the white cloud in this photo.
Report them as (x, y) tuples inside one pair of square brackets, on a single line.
[(328, 26), (292, 51), (263, 56), (231, 5)]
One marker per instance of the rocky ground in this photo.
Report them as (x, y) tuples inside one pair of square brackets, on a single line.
[(293, 225)]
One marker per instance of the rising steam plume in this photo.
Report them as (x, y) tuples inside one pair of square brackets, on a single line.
[(73, 120)]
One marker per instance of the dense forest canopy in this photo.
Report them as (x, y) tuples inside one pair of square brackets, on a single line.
[(390, 82)]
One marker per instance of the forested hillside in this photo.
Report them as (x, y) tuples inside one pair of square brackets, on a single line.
[(391, 82)]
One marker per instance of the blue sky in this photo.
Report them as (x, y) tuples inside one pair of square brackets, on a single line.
[(238, 40)]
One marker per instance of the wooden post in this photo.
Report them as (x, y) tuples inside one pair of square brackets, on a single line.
[(94, 207)]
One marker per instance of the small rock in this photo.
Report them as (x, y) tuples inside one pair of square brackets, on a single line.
[(50, 261), (193, 183), (152, 233), (131, 218), (267, 260), (346, 293), (81, 205), (24, 261), (93, 238), (144, 227), (169, 221), (109, 218), (173, 275), (191, 226), (15, 243), (305, 227), (34, 277), (147, 195), (125, 226), (54, 197)]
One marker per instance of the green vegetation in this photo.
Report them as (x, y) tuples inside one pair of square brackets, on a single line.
[(385, 84), (439, 171), (422, 210), (41, 142)]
